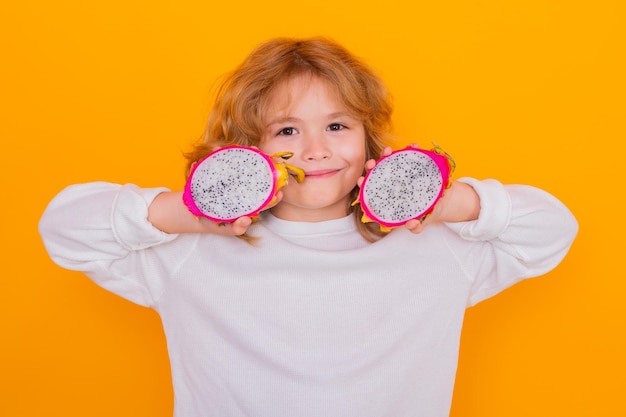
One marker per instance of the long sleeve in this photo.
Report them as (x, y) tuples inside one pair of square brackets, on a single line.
[(292, 314), (528, 232), (100, 229)]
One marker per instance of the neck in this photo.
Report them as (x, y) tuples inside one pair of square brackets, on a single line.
[(300, 214)]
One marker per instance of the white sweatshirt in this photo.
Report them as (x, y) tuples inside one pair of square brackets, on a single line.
[(313, 320)]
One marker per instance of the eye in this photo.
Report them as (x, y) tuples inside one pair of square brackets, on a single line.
[(287, 131), (336, 127)]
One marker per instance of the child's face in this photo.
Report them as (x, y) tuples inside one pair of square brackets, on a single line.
[(305, 117)]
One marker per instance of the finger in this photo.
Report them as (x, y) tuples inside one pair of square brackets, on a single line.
[(414, 226), (370, 164), (387, 151), (240, 226)]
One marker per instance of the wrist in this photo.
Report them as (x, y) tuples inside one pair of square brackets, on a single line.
[(169, 214), (459, 203)]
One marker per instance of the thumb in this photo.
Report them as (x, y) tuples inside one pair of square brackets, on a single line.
[(240, 226)]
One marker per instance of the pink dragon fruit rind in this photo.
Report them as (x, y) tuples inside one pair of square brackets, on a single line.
[(220, 184), (407, 183)]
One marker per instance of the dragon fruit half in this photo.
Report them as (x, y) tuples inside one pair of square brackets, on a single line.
[(236, 181), (405, 185)]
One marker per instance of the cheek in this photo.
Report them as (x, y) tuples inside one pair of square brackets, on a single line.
[(358, 161), (357, 152), (273, 144), (269, 146)]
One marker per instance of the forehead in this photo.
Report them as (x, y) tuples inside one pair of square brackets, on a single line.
[(292, 90)]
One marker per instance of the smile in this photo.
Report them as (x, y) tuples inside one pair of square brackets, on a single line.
[(321, 174)]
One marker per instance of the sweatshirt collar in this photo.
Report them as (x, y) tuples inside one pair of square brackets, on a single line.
[(291, 228)]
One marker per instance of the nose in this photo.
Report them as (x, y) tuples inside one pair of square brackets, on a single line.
[(316, 148)]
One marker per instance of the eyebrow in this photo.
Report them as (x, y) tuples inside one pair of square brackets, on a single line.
[(340, 114), (280, 120)]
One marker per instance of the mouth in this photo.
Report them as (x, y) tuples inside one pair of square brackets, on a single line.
[(321, 174)]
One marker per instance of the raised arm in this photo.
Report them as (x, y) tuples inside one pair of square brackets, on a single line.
[(460, 203), (103, 230), (168, 213), (520, 232)]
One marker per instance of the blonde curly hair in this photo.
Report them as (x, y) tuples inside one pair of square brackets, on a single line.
[(242, 98)]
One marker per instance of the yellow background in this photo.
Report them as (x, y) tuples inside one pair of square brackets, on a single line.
[(525, 91)]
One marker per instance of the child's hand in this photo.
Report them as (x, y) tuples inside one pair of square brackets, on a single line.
[(414, 226), (458, 203), (236, 228), (169, 214), (372, 162)]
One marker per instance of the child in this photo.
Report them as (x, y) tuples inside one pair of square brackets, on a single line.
[(319, 314)]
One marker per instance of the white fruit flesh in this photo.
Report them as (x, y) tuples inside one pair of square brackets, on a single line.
[(402, 187), (232, 183)]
